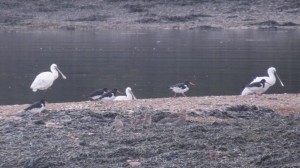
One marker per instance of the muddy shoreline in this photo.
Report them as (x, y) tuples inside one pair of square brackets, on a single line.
[(283, 104), (226, 131), (155, 14)]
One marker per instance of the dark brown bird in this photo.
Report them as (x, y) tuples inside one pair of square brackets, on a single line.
[(176, 118), (118, 124), (147, 120)]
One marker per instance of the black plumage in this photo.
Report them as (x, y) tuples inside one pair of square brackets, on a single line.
[(182, 85), (179, 85), (98, 93), (109, 95), (257, 84), (40, 105)]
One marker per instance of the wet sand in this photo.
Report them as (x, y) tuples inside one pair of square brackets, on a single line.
[(283, 104)]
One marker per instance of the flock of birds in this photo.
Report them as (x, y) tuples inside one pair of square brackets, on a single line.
[(44, 80)]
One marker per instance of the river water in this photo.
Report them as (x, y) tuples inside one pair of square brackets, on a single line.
[(218, 62)]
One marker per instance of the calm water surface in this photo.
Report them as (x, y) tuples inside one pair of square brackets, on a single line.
[(219, 62)]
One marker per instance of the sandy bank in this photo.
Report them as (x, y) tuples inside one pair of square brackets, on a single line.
[(233, 131), (283, 104)]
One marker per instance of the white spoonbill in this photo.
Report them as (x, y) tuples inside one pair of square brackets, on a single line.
[(270, 81), (45, 80), (129, 95)]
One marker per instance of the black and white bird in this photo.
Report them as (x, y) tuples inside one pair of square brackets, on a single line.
[(270, 80), (110, 95), (97, 93), (257, 87), (37, 106), (181, 87)]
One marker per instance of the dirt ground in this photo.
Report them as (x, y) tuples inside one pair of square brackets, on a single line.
[(219, 131), (155, 14)]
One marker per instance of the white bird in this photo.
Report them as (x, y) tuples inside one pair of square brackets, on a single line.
[(129, 95), (270, 81), (45, 80)]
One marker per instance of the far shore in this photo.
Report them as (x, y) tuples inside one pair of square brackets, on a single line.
[(158, 14)]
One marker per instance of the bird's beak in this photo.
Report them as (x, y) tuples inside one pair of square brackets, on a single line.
[(133, 95), (268, 83), (279, 79), (192, 83), (61, 73), (119, 92)]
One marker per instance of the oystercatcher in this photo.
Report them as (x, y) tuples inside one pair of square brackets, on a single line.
[(181, 87), (109, 95), (97, 93), (37, 106)]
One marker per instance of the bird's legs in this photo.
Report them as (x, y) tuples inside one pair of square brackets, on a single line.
[(44, 95), (95, 101), (175, 95), (45, 92), (260, 94), (184, 95)]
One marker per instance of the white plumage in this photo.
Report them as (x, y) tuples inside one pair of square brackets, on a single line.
[(129, 95), (45, 80), (270, 81), (180, 90)]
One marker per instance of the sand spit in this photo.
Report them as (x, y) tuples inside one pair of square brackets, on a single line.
[(283, 104), (218, 131)]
